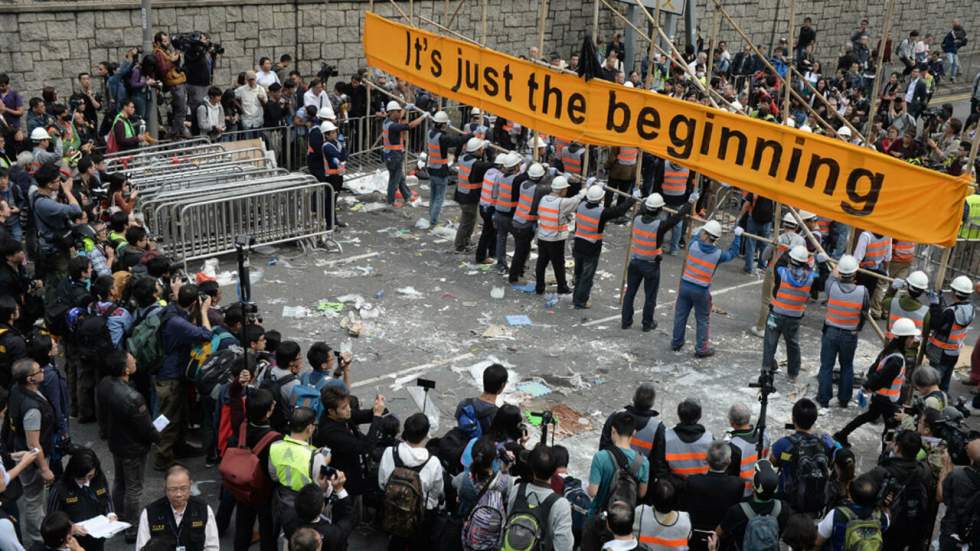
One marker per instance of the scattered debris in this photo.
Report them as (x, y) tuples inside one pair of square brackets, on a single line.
[(410, 292), (295, 312), (497, 292), (422, 223), (518, 319), (352, 324), (322, 263), (326, 306), (358, 300), (535, 388), (497, 332)]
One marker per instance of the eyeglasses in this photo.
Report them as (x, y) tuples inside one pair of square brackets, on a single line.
[(33, 373)]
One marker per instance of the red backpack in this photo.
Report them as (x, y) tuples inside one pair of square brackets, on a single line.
[(241, 471)]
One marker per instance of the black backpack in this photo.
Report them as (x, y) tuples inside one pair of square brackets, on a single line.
[(625, 483), (450, 450), (89, 332), (280, 415), (910, 502), (806, 489)]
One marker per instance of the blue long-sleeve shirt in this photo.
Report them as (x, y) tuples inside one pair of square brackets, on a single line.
[(726, 255), (179, 335), (119, 322), (334, 153)]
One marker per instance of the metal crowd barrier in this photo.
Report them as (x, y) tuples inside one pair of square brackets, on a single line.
[(198, 184), (146, 158), (195, 162)]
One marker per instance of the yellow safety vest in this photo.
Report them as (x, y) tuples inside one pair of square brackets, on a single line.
[(292, 460), (971, 229)]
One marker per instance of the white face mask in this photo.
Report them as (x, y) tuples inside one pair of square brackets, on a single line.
[(82, 483)]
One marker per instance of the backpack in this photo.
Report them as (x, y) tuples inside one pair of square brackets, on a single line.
[(484, 525), (910, 504), (527, 525), (203, 352), (761, 531), (89, 332), (469, 421), (806, 489), (579, 502), (451, 447), (241, 470), (404, 500), (860, 534), (145, 342), (306, 395), (625, 484), (217, 370), (280, 414)]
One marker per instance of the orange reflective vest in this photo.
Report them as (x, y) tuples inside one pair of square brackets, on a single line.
[(686, 458), (790, 300), (389, 144), (700, 266), (675, 180), (875, 252), (951, 344), (587, 222), (643, 239), (627, 155), (892, 390), (903, 251), (844, 307)]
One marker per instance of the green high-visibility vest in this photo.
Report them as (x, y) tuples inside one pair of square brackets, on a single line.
[(128, 126), (971, 229), (292, 460)]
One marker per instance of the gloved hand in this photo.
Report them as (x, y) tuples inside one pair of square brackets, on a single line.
[(822, 257), (933, 298), (738, 231), (590, 181), (637, 194), (552, 171), (693, 198), (898, 284), (409, 106), (421, 164)]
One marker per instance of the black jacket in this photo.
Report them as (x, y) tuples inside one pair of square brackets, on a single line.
[(687, 433), (124, 418), (12, 348), (961, 486), (336, 530), (349, 448), (708, 496)]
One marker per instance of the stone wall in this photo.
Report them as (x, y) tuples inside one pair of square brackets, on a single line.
[(47, 42)]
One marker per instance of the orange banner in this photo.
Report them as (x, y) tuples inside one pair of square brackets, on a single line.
[(832, 178)]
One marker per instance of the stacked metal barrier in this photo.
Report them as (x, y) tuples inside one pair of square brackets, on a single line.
[(196, 200)]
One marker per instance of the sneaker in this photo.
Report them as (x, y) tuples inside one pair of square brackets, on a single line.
[(761, 333), (676, 348), (564, 291), (750, 271), (210, 462), (648, 328), (706, 353)]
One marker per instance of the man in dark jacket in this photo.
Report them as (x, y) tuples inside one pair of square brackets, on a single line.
[(335, 529), (16, 283), (959, 490), (125, 421), (707, 497), (349, 446), (911, 501), (12, 345), (258, 408), (649, 433), (684, 446)]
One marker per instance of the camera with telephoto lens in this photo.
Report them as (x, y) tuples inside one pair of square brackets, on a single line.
[(326, 71), (194, 46), (327, 471)]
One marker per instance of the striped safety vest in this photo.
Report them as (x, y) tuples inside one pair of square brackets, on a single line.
[(823, 224), (844, 307), (875, 252), (389, 145), (700, 266), (571, 161), (549, 217), (892, 390), (642, 440), (525, 214), (686, 458), (790, 300), (488, 187), (477, 129), (465, 166), (675, 180), (896, 311), (505, 193), (903, 251), (587, 222), (971, 228), (560, 144), (951, 344), (659, 537), (435, 158), (750, 455), (627, 156), (644, 239)]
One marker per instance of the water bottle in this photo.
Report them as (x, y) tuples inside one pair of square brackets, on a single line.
[(862, 399)]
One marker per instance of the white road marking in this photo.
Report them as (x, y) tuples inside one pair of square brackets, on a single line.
[(417, 370), (668, 303)]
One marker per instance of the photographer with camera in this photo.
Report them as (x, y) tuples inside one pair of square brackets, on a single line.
[(91, 101), (168, 67), (908, 492), (960, 491), (52, 218), (199, 60)]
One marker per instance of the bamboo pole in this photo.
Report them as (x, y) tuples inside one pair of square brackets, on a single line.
[(401, 11), (712, 44), (460, 36), (585, 163), (889, 8), (788, 81), (411, 12), (452, 18), (595, 23), (445, 12), (629, 243), (483, 19), (542, 15), (648, 84)]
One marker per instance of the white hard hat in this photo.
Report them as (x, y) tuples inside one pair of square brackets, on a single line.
[(511, 160), (595, 193), (806, 128), (904, 327), (538, 142), (654, 201), (500, 158), (844, 131), (535, 171), (327, 126), (476, 111), (798, 253), (789, 219), (39, 134), (712, 228), (847, 265), (806, 215), (326, 112), (962, 285), (474, 144), (791, 122), (628, 84), (918, 280), (440, 117), (560, 182), (393, 106)]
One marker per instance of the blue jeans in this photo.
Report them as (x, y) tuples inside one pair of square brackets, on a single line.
[(690, 296), (789, 328), (585, 267), (502, 222), (839, 234), (676, 233), (396, 176), (647, 273), (952, 64), (836, 344), (762, 230), (437, 196)]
